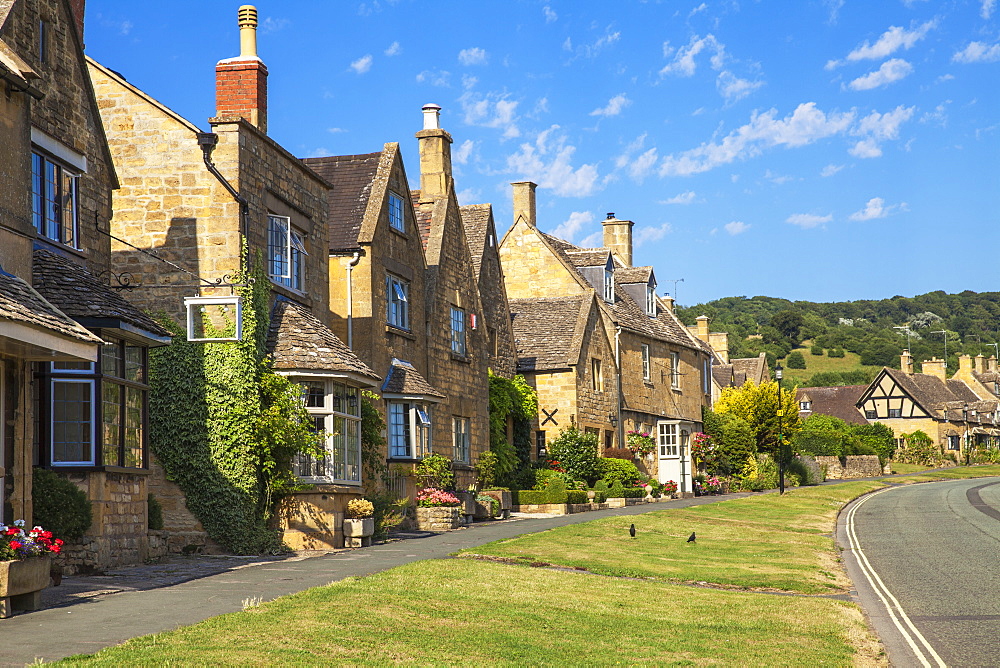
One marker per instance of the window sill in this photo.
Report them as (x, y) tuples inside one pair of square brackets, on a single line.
[(398, 231), (84, 468), (648, 383), (328, 486), (465, 359), (291, 293), (677, 390), (462, 466), (58, 245), (404, 333)]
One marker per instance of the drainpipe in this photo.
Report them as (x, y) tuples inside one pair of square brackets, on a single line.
[(350, 298), (207, 141), (618, 381)]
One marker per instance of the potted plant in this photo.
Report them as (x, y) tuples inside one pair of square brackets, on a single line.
[(438, 509), (25, 563), (640, 443), (359, 523)]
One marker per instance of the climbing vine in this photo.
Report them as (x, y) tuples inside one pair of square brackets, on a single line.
[(511, 398), (372, 441), (224, 426)]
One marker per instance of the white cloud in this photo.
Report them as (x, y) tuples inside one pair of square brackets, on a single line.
[(394, 49), (890, 72), (977, 52), (987, 8), (473, 56), (468, 196), (697, 10), (892, 40), (435, 78), (362, 64), (567, 44), (808, 220), (490, 110), (571, 226), (875, 128), (682, 198), (647, 233), (595, 240), (638, 168), (777, 178), (830, 170), (804, 126), (548, 162), (684, 64), (876, 208), (835, 6), (732, 88), (550, 14), (866, 148), (736, 227), (271, 24), (614, 106), (461, 156), (335, 130)]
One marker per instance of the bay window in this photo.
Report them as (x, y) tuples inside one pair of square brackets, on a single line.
[(409, 427), (335, 409)]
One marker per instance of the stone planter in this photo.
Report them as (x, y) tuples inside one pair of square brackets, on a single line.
[(359, 532), (22, 582), (505, 499), (441, 518), (468, 506)]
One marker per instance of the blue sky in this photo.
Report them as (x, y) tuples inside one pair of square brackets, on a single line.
[(817, 149)]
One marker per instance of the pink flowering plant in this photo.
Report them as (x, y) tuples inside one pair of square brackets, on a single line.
[(640, 443), (17, 542), (431, 497), (713, 485), (669, 487)]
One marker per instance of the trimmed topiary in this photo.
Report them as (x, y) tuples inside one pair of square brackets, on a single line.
[(59, 505)]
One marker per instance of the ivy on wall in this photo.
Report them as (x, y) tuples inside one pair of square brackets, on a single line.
[(511, 398), (224, 426)]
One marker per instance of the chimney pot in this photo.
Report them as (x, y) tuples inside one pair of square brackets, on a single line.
[(611, 214), (247, 20), (432, 116)]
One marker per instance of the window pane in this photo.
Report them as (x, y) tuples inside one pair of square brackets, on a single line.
[(38, 192), (396, 212), (315, 394), (134, 400), (399, 430), (352, 459), (337, 448), (111, 359), (353, 401), (457, 331), (52, 208), (67, 193), (71, 366), (71, 423), (111, 399), (135, 369), (277, 247)]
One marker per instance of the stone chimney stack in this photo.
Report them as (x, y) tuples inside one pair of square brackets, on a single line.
[(703, 332), (980, 364), (906, 362), (78, 7), (935, 367), (965, 366), (618, 237), (241, 82), (991, 363), (668, 302), (435, 156), (524, 202)]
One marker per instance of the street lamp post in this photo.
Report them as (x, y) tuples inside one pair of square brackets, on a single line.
[(781, 418)]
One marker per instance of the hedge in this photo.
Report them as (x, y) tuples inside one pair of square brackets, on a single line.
[(577, 496)]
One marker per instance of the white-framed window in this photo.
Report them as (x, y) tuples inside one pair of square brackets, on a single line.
[(54, 195), (609, 283), (651, 300), (285, 253), (675, 370), (396, 220), (397, 302), (667, 439), (953, 442), (335, 409), (462, 439), (596, 377), (458, 331), (805, 405), (871, 414), (646, 372), (409, 427), (71, 422)]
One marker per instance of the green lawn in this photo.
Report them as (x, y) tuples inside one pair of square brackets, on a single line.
[(502, 611), (817, 363)]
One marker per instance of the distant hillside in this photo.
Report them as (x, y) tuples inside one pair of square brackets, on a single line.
[(875, 330)]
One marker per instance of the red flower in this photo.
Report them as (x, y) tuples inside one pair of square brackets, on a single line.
[(55, 548), (58, 541), (15, 545)]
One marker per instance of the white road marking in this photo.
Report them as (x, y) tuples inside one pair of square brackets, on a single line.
[(892, 606)]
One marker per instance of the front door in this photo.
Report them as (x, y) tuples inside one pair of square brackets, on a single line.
[(668, 452)]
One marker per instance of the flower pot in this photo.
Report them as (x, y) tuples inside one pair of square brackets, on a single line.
[(21, 583), (358, 532), (439, 518)]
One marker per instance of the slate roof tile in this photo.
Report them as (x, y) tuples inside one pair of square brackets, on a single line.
[(404, 379), (476, 220), (22, 303), (297, 339), (543, 332), (351, 177), (840, 402)]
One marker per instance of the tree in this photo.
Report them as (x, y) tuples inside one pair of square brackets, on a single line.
[(576, 453), (788, 323), (878, 437), (880, 353), (795, 360), (729, 445), (757, 405)]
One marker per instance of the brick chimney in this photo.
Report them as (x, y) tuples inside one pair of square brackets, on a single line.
[(77, 7), (524, 202), (241, 83), (435, 156), (618, 237), (906, 362), (935, 367)]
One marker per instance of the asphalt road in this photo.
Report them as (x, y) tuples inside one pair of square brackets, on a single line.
[(925, 559)]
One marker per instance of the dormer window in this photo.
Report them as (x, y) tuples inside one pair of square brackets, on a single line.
[(609, 281), (651, 300), (805, 406)]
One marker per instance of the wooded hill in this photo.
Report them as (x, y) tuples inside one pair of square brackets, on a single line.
[(874, 329)]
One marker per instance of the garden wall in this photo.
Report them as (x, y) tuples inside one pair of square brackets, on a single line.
[(853, 466)]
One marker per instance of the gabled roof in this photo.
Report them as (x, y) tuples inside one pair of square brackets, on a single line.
[(588, 257), (476, 220), (403, 379), (751, 368), (298, 340), (21, 303), (840, 402), (933, 394), (545, 331), (626, 275), (352, 177), (78, 294)]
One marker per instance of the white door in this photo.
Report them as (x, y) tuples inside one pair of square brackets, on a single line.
[(668, 452)]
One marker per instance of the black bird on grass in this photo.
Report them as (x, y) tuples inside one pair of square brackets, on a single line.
[(691, 538), (631, 531)]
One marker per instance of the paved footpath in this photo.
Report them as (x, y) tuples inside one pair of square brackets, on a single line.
[(93, 613)]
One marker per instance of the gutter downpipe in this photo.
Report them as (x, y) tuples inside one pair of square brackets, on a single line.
[(350, 298), (618, 376), (207, 141)]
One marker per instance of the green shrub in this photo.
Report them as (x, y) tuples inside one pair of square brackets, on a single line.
[(435, 471), (544, 476), (556, 491), (616, 491), (806, 470), (634, 492), (576, 453), (918, 449), (577, 496), (59, 506), (486, 470), (795, 360), (523, 478), (600, 486), (521, 497), (154, 514), (816, 350), (600, 496), (618, 470), (835, 352)]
